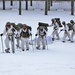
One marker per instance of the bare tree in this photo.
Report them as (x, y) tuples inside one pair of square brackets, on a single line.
[(3, 4), (19, 7), (72, 7), (46, 7)]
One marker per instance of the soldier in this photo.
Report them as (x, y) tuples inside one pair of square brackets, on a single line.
[(18, 27), (66, 31), (41, 33), (73, 30), (25, 33), (9, 31), (55, 29)]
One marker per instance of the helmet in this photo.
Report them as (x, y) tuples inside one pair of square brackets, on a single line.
[(41, 27), (71, 21), (52, 19), (63, 23), (24, 26), (8, 24)]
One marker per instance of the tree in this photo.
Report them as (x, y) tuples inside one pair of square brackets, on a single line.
[(19, 7), (26, 4), (3, 4), (30, 2), (72, 7), (46, 7), (11, 1)]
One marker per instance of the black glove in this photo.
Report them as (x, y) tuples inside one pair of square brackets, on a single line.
[(35, 34), (61, 30), (13, 30), (44, 33), (1, 34)]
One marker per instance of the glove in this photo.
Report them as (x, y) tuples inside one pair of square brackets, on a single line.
[(44, 33), (35, 34), (1, 34), (61, 30), (13, 30)]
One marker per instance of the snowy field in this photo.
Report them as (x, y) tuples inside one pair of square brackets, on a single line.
[(59, 59)]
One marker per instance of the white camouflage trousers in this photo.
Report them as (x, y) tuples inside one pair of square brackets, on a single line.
[(7, 41), (66, 34), (55, 33), (72, 35), (24, 41), (42, 41)]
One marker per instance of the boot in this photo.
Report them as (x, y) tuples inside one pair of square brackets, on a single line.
[(22, 49), (72, 41), (52, 39), (38, 48), (7, 50), (63, 41), (27, 49), (43, 48)]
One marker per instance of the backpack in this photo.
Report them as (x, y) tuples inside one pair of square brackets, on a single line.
[(58, 21), (14, 25), (45, 25), (70, 26), (25, 34)]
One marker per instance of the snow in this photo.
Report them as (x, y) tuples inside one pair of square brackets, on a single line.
[(59, 59)]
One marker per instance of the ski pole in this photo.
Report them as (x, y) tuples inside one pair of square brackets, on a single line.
[(46, 43), (13, 49), (32, 43), (61, 31), (2, 44)]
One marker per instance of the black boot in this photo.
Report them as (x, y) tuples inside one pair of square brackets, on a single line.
[(38, 48), (52, 39), (22, 49), (63, 41), (7, 50), (72, 41), (27, 49), (43, 48)]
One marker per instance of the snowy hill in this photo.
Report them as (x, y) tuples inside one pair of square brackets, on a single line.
[(59, 59)]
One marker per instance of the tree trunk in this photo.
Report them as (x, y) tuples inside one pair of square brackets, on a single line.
[(19, 7), (26, 4), (72, 7), (46, 7), (11, 2), (49, 4), (30, 2), (3, 4)]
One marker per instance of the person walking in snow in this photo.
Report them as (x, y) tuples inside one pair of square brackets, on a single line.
[(9, 32), (66, 32), (73, 30), (25, 33), (55, 29), (41, 33)]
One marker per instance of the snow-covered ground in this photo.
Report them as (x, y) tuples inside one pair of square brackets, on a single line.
[(59, 59)]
